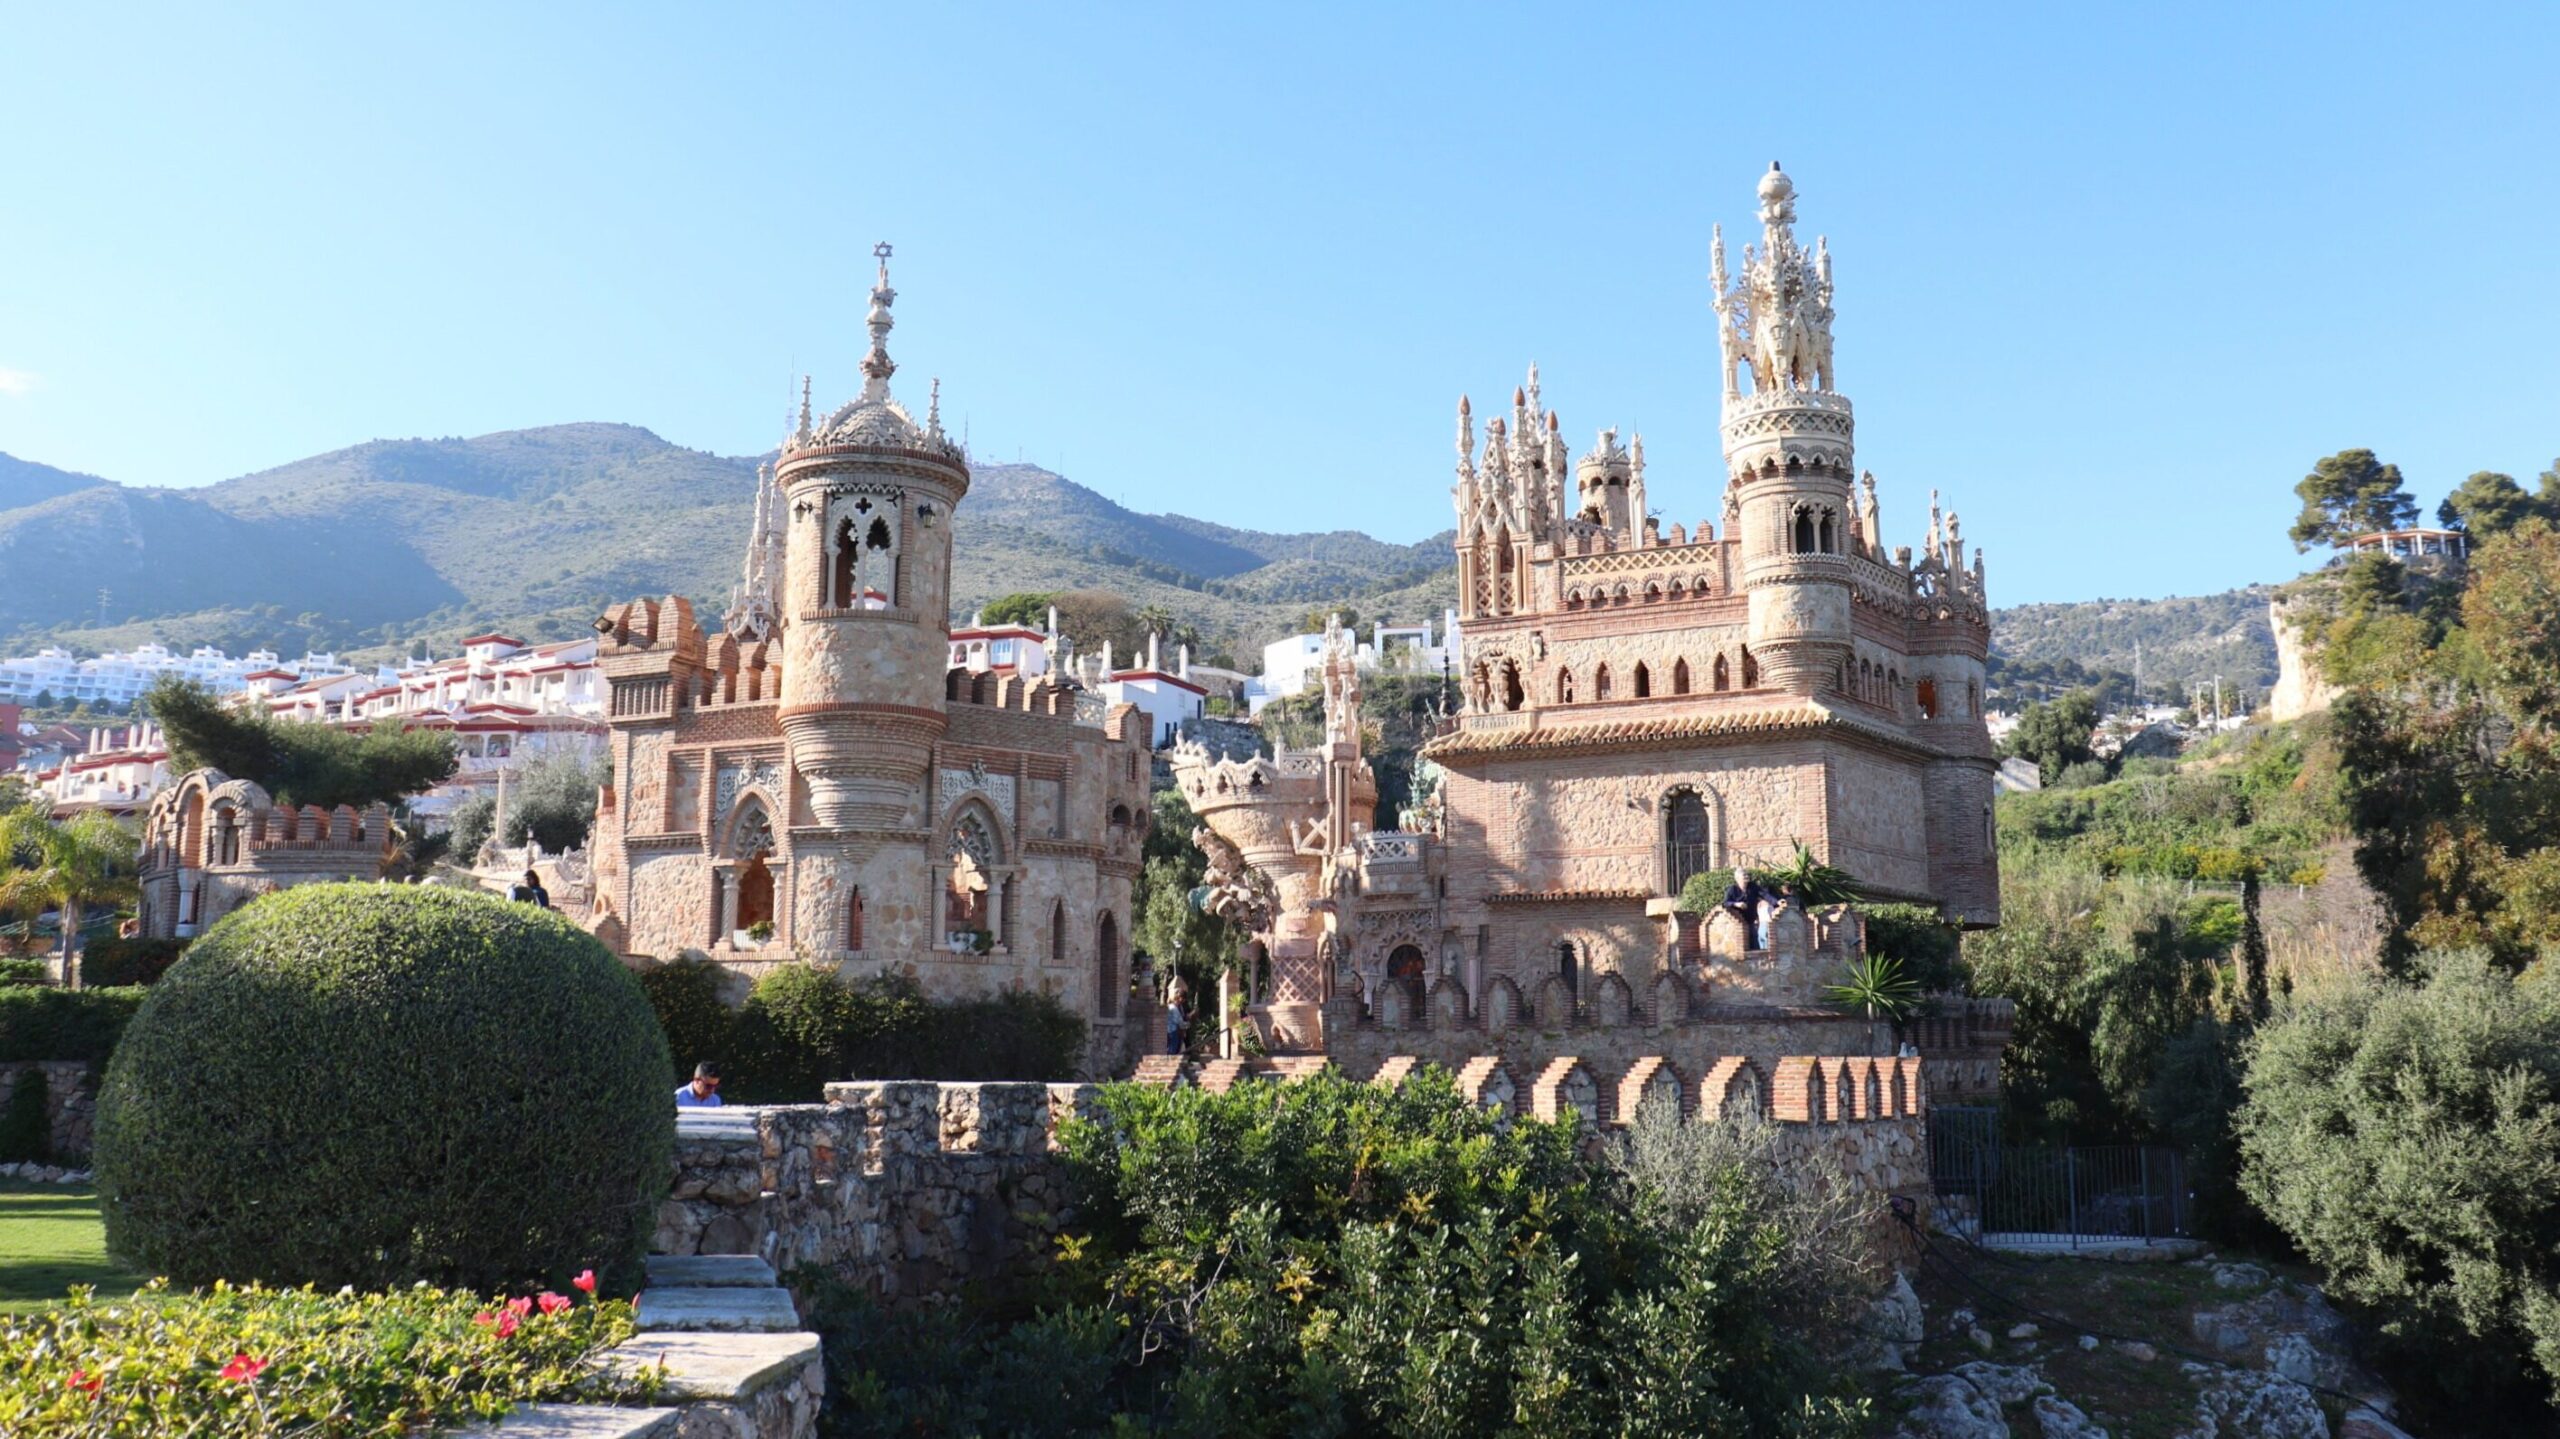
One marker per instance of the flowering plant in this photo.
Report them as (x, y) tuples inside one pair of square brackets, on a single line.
[(253, 1361)]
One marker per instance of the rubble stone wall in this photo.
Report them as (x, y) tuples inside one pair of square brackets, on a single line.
[(71, 1103)]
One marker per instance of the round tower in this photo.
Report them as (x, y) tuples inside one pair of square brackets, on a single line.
[(1789, 455), (867, 497)]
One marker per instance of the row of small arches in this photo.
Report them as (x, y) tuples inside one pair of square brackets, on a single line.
[(1654, 592), (1640, 681)]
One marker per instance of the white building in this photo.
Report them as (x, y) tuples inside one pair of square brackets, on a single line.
[(123, 767), (1003, 649), (120, 676), (1289, 665)]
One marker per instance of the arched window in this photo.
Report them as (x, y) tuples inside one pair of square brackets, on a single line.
[(1804, 531), (1106, 966), (847, 552), (226, 835), (1600, 683), (1829, 543), (853, 922), (1723, 675), (1680, 677), (1512, 697), (967, 901), (1502, 571), (1925, 695), (1686, 848), (1644, 681), (1569, 969), (755, 893), (1058, 932), (1750, 670), (1405, 967), (1564, 686)]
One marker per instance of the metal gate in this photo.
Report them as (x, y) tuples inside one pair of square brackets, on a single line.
[(2061, 1196)]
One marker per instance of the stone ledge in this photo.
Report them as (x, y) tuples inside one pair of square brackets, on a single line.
[(716, 1366), (578, 1421), (709, 1271), (717, 1310)]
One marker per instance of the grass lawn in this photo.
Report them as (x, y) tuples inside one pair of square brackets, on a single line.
[(50, 1239)]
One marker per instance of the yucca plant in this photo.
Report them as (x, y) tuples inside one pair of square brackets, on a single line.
[(1877, 986), (1815, 883)]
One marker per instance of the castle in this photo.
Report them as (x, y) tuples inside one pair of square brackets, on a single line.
[(817, 782), (1642, 704)]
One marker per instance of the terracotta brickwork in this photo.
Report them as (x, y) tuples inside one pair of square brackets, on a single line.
[(211, 843), (813, 782)]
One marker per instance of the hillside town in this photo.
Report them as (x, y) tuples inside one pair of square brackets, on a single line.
[(1411, 904)]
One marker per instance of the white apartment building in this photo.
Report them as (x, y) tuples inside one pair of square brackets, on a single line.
[(120, 676), (1289, 666), (123, 767)]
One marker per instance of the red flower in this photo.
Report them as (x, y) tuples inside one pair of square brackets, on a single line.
[(585, 1283), (553, 1303), (519, 1306), (242, 1369), (86, 1382), (484, 1318), (507, 1324)]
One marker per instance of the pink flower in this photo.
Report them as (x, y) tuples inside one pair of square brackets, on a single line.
[(484, 1318), (86, 1382), (242, 1369), (553, 1303), (507, 1323), (520, 1306), (585, 1283)]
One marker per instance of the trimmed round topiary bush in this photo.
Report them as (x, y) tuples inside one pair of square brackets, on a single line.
[(372, 1085)]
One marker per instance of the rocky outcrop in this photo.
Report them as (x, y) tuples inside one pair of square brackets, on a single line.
[(2299, 689)]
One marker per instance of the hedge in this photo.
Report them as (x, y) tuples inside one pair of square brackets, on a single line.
[(108, 962), (370, 1085), (17, 971), (64, 1024), (264, 1361)]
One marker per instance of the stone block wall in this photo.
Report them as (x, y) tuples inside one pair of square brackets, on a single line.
[(912, 1189), (71, 1103)]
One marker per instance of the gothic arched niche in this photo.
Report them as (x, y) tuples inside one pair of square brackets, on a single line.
[(973, 860)]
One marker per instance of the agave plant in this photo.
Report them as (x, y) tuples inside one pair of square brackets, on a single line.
[(1815, 883), (1878, 987)]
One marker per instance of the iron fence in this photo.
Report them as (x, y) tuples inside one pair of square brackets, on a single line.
[(2059, 1195)]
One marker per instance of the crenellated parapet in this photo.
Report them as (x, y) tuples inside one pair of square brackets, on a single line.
[(211, 843)]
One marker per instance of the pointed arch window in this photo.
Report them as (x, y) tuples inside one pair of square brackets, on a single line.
[(1723, 675), (1106, 966), (1644, 681), (1687, 848), (1828, 540), (1680, 677), (1750, 670), (1804, 531), (853, 922), (1564, 686), (847, 553), (1600, 683)]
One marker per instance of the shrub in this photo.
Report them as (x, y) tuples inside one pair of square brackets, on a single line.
[(2405, 1138), (23, 971), (374, 1085), (109, 963), (26, 1130), (318, 1364), (804, 1026), (698, 1022), (1928, 944), (64, 1024)]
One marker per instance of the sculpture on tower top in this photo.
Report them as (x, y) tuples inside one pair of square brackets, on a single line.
[(1776, 315), (1341, 684)]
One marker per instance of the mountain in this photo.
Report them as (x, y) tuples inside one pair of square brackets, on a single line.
[(394, 544)]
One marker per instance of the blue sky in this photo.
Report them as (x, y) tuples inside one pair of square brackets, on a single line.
[(2109, 279)]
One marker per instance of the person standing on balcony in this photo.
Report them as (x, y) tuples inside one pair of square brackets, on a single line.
[(1744, 899)]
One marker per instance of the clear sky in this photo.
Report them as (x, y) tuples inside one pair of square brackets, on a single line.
[(2110, 279)]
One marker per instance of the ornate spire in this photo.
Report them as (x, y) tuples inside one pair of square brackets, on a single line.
[(753, 608), (802, 434), (877, 367), (1466, 436), (1776, 315), (933, 410), (1635, 488)]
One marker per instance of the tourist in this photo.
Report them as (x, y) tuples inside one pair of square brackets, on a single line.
[(1175, 1021), (703, 1092), (1742, 900), (530, 891)]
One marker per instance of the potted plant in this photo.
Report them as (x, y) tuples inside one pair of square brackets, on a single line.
[(760, 932)]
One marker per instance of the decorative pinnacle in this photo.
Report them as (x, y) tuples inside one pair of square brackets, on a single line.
[(804, 405), (877, 367), (933, 407)]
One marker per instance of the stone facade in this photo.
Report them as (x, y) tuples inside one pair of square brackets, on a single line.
[(817, 783), (1643, 703), (211, 843), (70, 1104), (915, 1190)]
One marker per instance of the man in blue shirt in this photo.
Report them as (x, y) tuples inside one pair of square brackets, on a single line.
[(704, 1091)]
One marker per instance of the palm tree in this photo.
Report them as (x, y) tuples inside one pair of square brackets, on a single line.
[(69, 865)]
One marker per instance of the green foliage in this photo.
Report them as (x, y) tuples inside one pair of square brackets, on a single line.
[(2513, 608), (1812, 882), (1022, 607), (2056, 736), (2407, 1138), (804, 1026), (2348, 494), (17, 971), (1332, 1258), (2042, 652), (1877, 986), (1397, 713), (1930, 948), (469, 825), (1168, 924), (82, 863), (687, 997), (375, 1085), (64, 1024), (1705, 891), (2489, 503), (26, 1130), (328, 1366), (115, 963), (551, 799), (297, 763)]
